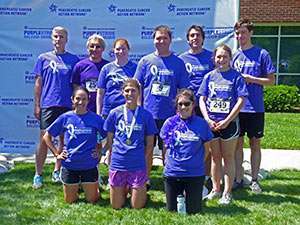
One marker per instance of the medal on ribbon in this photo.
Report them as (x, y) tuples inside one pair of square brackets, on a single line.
[(129, 129)]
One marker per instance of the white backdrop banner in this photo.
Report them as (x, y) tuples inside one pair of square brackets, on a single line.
[(25, 33)]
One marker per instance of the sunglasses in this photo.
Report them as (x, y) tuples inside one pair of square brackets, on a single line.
[(186, 104)]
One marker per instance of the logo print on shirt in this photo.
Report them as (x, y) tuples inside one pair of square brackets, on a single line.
[(211, 87), (71, 131), (53, 66), (117, 78), (154, 70)]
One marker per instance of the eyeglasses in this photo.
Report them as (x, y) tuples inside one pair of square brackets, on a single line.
[(93, 46), (186, 104)]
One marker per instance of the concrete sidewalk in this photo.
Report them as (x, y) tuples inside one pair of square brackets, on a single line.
[(271, 159)]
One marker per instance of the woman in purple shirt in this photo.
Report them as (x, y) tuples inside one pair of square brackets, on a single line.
[(86, 71), (186, 138), (130, 135), (222, 95), (112, 77), (82, 131)]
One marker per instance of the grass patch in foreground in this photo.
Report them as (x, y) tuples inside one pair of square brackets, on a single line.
[(282, 131), (20, 204)]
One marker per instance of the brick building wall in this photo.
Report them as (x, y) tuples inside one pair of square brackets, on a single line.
[(270, 10)]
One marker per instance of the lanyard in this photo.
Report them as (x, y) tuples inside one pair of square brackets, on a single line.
[(129, 129)]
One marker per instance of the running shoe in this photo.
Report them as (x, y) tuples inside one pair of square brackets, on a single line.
[(255, 188), (37, 182), (238, 185), (226, 199), (56, 176), (212, 195)]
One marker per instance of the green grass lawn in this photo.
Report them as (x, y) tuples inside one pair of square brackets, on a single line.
[(282, 131), (20, 204)]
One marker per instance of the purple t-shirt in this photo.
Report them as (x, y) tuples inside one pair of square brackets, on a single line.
[(129, 157), (184, 140), (197, 65), (85, 73), (80, 138), (55, 70), (111, 79), (258, 63), (222, 90), (160, 78)]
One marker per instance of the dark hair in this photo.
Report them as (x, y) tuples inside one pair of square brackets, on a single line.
[(80, 88), (162, 28), (225, 47), (186, 93), (123, 40), (197, 28), (244, 23), (133, 81)]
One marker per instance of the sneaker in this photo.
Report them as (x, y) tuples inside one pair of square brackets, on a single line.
[(238, 185), (37, 182), (208, 184), (254, 186), (213, 194), (56, 176), (226, 199)]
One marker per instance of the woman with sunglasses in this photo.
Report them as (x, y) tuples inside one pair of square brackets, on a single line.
[(222, 94), (130, 139), (82, 130), (86, 71), (186, 138), (112, 77)]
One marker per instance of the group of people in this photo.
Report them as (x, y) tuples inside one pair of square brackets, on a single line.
[(196, 107)]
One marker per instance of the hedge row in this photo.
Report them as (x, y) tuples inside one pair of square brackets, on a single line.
[(281, 98)]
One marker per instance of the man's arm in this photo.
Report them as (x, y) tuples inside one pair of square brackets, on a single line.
[(37, 96), (268, 80)]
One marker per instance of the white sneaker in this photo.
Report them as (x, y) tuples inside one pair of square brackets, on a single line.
[(255, 188), (37, 182), (212, 195), (226, 199)]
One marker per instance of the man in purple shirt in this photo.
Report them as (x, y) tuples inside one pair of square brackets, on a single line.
[(52, 94), (256, 66), (161, 74), (86, 71)]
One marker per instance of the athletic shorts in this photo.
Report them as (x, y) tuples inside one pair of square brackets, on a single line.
[(157, 138), (252, 124), (230, 132), (79, 176), (132, 179), (49, 115)]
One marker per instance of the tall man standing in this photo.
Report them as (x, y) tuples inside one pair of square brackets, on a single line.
[(161, 74), (198, 60), (256, 66), (52, 94)]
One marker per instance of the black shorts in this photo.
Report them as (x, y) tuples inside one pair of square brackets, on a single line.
[(49, 115), (253, 124), (159, 124), (230, 132), (79, 176)]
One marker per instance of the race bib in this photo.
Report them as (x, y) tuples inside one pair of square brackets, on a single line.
[(160, 89), (219, 106), (91, 85)]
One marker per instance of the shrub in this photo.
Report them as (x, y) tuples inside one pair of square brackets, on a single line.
[(281, 98)]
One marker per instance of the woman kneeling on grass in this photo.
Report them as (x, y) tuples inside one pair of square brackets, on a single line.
[(130, 135), (186, 137), (81, 129), (222, 95)]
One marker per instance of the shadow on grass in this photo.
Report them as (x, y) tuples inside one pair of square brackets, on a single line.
[(228, 210), (266, 197)]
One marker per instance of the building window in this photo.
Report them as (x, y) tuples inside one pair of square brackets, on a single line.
[(283, 44)]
